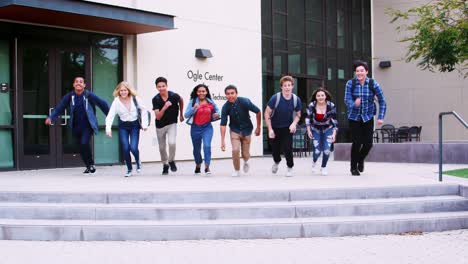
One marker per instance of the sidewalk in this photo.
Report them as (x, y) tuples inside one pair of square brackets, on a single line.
[(110, 178)]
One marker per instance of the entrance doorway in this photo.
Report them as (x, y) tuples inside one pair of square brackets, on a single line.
[(45, 74)]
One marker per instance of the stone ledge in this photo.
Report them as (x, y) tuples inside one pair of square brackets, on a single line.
[(453, 153)]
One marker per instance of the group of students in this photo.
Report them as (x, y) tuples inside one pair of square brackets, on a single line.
[(282, 115)]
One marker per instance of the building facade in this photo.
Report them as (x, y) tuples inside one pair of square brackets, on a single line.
[(46, 43)]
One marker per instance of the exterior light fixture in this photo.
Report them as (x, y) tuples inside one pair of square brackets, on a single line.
[(203, 53), (385, 64)]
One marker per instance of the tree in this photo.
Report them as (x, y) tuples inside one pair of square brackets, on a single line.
[(438, 34)]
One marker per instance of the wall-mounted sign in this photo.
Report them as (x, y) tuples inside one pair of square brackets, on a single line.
[(206, 76), (4, 87)]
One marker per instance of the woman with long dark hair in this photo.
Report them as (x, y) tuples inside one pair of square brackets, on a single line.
[(321, 126), (200, 112)]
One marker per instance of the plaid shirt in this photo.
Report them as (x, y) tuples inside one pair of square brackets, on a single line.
[(367, 109)]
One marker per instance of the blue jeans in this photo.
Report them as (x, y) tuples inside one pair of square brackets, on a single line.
[(129, 136), (199, 134), (322, 143)]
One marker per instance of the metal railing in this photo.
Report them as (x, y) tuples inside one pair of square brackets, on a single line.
[(440, 136)]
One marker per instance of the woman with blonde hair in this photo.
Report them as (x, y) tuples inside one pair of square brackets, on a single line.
[(126, 105)]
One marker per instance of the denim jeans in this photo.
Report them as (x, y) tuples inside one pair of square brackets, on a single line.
[(129, 136), (82, 137), (202, 134), (322, 143)]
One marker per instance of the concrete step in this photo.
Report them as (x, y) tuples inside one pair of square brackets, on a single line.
[(214, 211), (233, 196), (119, 230)]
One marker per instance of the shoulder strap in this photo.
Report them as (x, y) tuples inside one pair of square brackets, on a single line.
[(278, 97), (371, 85), (294, 101)]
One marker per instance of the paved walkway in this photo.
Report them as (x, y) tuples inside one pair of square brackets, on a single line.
[(110, 178), (446, 247)]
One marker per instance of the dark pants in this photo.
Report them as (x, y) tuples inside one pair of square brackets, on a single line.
[(83, 137), (361, 135), (282, 142), (129, 136)]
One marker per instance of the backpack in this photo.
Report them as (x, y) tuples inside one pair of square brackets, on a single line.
[(278, 97), (140, 120)]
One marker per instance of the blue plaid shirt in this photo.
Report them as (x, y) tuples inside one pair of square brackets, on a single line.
[(367, 109)]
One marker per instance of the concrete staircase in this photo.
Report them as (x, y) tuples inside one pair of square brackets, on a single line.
[(231, 215)]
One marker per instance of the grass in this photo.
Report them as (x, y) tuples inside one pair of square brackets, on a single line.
[(463, 173)]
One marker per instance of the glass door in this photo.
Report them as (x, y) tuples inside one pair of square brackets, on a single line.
[(45, 75)]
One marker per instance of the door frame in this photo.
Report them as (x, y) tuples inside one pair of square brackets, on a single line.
[(56, 158)]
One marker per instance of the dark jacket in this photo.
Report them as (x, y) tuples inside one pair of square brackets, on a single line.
[(90, 101)]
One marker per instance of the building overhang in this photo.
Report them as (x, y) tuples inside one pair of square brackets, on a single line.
[(84, 15)]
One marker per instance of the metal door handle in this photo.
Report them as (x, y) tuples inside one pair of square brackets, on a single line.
[(50, 112), (65, 119)]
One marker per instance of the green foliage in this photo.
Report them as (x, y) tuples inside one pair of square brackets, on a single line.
[(463, 173), (438, 34)]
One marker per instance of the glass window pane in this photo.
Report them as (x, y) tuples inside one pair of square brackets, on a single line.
[(106, 150), (340, 29), (279, 44), (5, 106), (278, 63), (295, 57), (267, 51), (314, 9), (331, 11), (266, 17), (106, 75), (279, 26), (296, 20), (35, 101), (331, 36), (279, 5), (6, 155), (314, 32), (314, 61)]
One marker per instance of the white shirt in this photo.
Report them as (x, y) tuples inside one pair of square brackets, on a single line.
[(126, 115)]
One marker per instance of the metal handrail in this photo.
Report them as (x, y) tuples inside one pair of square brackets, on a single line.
[(440, 136)]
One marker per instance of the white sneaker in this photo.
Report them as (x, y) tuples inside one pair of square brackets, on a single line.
[(314, 167), (289, 173), (274, 168), (324, 171), (128, 174), (235, 174), (246, 167)]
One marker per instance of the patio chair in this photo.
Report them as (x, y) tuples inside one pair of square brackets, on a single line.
[(402, 134), (388, 133)]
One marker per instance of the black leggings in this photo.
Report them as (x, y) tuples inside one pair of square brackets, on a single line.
[(361, 135)]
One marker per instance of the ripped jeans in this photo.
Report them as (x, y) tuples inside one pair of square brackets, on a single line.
[(322, 143)]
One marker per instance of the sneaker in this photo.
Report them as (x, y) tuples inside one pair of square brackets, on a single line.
[(360, 166), (274, 168), (324, 171), (86, 171), (128, 174), (197, 171), (289, 173), (235, 174), (92, 169), (314, 167), (138, 167), (165, 169), (355, 172), (207, 172), (246, 167), (173, 166)]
